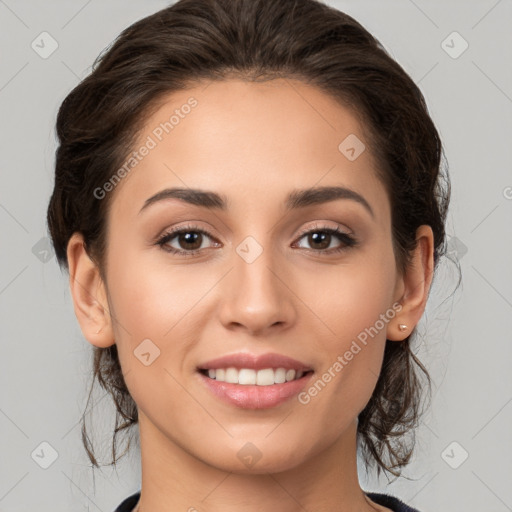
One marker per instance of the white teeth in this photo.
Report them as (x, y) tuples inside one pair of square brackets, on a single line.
[(265, 377), (248, 376), (232, 375), (280, 376)]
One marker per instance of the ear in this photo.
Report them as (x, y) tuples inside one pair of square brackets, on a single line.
[(89, 294), (413, 287)]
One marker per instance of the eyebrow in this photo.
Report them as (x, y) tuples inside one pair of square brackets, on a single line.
[(295, 200)]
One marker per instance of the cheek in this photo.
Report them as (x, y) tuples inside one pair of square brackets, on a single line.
[(161, 302), (154, 324), (150, 297), (351, 298), (355, 306)]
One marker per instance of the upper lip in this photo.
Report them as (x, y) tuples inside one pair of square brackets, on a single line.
[(255, 362)]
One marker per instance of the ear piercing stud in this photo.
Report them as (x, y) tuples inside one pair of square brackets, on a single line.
[(402, 327)]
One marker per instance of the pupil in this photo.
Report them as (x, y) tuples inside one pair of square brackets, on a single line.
[(322, 236), (191, 238)]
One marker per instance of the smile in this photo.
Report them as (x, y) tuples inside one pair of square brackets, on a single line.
[(249, 376), (254, 391)]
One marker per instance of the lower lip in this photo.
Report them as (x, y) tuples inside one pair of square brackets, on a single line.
[(255, 397)]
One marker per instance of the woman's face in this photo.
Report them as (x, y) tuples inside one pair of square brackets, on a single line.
[(257, 274)]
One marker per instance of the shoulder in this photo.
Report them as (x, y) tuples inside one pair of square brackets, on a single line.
[(129, 503), (390, 501)]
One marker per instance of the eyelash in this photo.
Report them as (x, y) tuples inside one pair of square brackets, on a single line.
[(348, 241)]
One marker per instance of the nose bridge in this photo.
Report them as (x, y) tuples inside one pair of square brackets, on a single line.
[(253, 269), (257, 297)]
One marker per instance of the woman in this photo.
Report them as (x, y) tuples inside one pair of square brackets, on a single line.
[(248, 200)]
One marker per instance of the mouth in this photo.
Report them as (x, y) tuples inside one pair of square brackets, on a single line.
[(254, 381), (248, 388), (252, 377)]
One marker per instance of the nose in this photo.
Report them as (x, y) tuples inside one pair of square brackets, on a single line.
[(257, 296)]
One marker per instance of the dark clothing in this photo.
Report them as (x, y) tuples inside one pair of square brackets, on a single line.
[(382, 499), (390, 501)]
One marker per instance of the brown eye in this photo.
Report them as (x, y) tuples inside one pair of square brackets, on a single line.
[(185, 241), (320, 238), (189, 240)]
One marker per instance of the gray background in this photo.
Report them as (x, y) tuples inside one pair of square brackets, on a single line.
[(466, 344)]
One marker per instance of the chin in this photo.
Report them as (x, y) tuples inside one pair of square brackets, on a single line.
[(248, 459)]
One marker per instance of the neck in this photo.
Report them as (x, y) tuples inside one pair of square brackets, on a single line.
[(173, 479)]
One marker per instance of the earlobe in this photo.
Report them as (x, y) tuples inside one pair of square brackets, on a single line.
[(88, 294), (415, 287)]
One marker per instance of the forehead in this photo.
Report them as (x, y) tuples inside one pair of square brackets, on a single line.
[(250, 142)]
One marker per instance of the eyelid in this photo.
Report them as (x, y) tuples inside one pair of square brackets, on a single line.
[(192, 227), (346, 238), (171, 232), (321, 225)]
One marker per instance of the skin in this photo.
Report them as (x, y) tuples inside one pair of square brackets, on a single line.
[(253, 143)]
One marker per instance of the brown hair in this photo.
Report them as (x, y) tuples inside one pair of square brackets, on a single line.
[(255, 40)]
